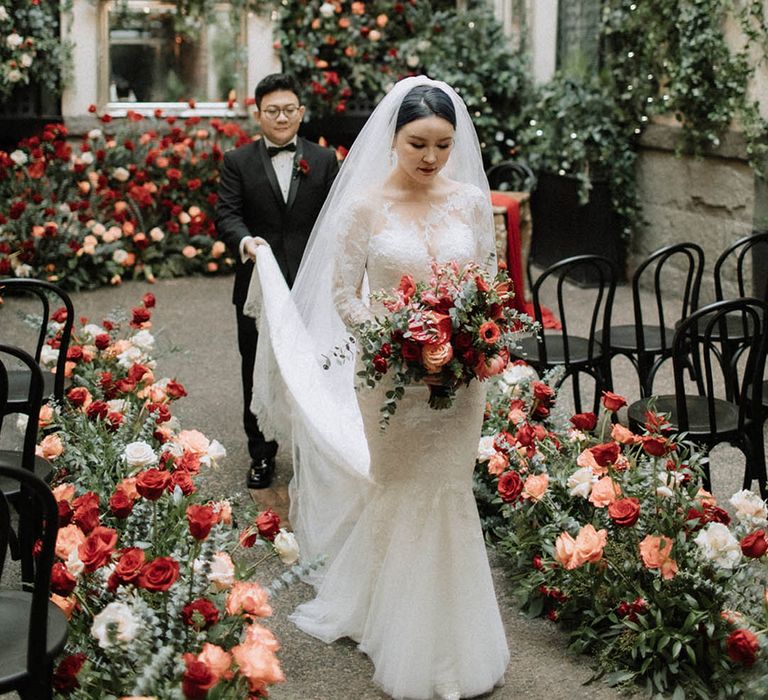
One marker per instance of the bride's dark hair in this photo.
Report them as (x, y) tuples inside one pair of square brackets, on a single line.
[(425, 101)]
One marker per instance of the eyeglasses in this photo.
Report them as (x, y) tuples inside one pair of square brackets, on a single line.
[(274, 112)]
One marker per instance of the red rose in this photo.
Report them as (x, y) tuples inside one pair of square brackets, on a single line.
[(248, 537), (268, 523), (407, 287), (175, 390), (303, 167), (201, 519), (755, 544), (462, 341), (183, 480), (605, 454), (86, 511), (411, 351), (136, 372), (121, 504), (543, 392), (198, 679), (149, 300), (139, 316), (162, 411), (97, 410), (159, 574), (152, 483), (65, 513), (62, 582), (125, 386), (65, 675), (102, 341), (625, 511), (584, 421), (613, 402), (525, 435), (656, 446), (200, 614), (114, 420), (97, 549), (510, 486), (127, 569), (77, 396), (60, 315), (742, 647), (380, 364), (188, 462), (75, 353)]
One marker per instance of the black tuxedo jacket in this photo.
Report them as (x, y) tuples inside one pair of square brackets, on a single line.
[(251, 204)]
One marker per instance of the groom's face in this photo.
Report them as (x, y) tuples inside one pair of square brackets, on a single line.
[(279, 116)]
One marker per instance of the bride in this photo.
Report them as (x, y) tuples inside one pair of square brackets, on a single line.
[(392, 511)]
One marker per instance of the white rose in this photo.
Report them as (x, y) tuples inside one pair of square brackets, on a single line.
[(327, 10), (485, 449), (216, 451), (718, 545), (156, 234), (74, 565), (3, 13), (143, 340), (374, 35), (128, 358), (25, 270), (86, 158), (26, 60), (139, 454), (286, 546), (120, 174), (120, 255), (14, 40), (14, 75), (117, 405), (19, 157), (668, 481), (580, 482), (515, 374), (94, 134), (412, 61), (117, 622), (92, 330), (750, 508), (222, 572), (48, 356)]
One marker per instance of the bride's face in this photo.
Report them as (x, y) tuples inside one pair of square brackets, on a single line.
[(423, 147)]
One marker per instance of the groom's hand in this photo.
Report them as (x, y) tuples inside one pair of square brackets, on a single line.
[(251, 245)]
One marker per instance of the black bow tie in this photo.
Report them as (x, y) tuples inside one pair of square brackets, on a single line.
[(274, 150)]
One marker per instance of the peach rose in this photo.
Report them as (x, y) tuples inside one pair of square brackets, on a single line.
[(64, 492), (535, 486), (589, 545), (248, 599), (624, 435), (50, 447), (587, 459), (565, 546), (655, 551), (435, 355), (258, 634), (67, 605), (128, 487), (193, 441), (604, 492), (46, 416), (224, 510), (258, 664), (189, 251), (498, 463), (217, 660), (68, 539), (705, 498), (218, 249)]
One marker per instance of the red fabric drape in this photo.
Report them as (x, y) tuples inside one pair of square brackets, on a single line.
[(514, 260)]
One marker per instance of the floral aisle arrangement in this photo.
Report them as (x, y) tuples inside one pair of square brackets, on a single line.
[(131, 200), (456, 327), (157, 582), (610, 533)]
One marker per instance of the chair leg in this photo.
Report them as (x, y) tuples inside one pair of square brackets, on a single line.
[(755, 454), (576, 391)]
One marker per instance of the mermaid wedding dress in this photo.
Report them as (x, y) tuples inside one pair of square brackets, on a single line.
[(412, 584)]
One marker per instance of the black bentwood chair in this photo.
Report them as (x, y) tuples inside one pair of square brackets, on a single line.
[(587, 353), (726, 407), (52, 305), (674, 274), (32, 628), (511, 176)]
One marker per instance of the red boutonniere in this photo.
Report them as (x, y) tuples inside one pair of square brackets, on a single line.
[(302, 167)]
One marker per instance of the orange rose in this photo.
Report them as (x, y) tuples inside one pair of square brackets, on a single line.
[(624, 435), (435, 355), (655, 551), (67, 605), (604, 492), (565, 546), (498, 463), (257, 634), (50, 447), (259, 665), (589, 545), (217, 660), (536, 486), (68, 539), (248, 599), (64, 492)]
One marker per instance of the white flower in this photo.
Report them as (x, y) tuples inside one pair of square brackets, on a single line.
[(14, 40), (74, 565), (120, 256), (139, 454), (143, 340), (669, 481), (216, 451), (412, 61), (14, 75), (117, 405), (222, 573), (48, 356), (173, 449), (750, 508), (327, 9), (92, 330), (117, 622), (130, 356), (86, 158), (156, 234), (19, 157), (94, 134), (718, 545), (25, 270), (3, 13), (26, 60), (287, 547), (120, 174), (580, 482), (515, 374), (486, 450)]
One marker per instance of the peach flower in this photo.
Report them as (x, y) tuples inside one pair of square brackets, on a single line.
[(222, 572), (655, 551), (67, 605), (259, 665), (46, 416), (258, 634), (224, 510), (536, 486), (50, 447), (435, 355), (498, 463), (218, 249), (217, 660), (189, 251), (248, 598), (589, 545), (193, 441), (128, 487), (64, 492), (604, 492), (68, 539), (565, 546), (624, 435), (587, 459)]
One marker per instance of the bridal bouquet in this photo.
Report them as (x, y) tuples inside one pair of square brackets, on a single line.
[(458, 326)]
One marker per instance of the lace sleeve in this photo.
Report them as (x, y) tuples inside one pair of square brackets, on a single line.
[(482, 223), (349, 266)]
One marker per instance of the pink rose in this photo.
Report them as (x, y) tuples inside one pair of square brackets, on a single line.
[(604, 492), (434, 356)]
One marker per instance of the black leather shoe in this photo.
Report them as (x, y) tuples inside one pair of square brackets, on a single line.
[(261, 472)]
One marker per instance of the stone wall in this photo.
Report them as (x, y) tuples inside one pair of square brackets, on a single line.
[(707, 200)]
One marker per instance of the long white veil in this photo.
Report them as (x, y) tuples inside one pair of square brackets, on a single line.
[(296, 400)]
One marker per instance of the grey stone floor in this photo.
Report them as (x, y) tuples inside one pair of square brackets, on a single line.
[(195, 328)]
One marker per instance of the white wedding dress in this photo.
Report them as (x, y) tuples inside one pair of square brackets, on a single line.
[(411, 582)]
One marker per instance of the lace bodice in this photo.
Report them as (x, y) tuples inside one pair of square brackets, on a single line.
[(382, 241)]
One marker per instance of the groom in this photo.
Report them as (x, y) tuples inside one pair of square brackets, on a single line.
[(270, 193)]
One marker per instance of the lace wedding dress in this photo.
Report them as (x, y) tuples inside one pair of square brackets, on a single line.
[(411, 583)]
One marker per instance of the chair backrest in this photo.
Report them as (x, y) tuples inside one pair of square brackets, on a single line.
[(40, 503), (678, 262), (727, 372), (45, 292), (601, 294), (733, 264), (511, 176)]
